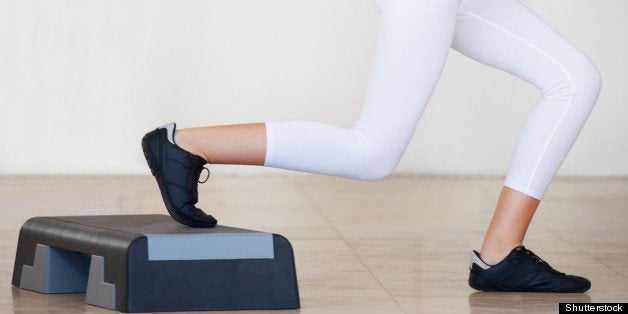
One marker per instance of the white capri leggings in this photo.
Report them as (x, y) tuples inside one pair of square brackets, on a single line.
[(413, 42)]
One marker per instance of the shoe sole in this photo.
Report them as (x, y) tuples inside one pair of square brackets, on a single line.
[(152, 164)]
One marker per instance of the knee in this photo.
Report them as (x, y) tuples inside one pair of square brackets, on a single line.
[(580, 78), (593, 79), (587, 78), (587, 83), (376, 168), (376, 159)]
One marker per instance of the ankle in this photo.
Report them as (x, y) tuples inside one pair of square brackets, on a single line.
[(186, 142), (494, 255)]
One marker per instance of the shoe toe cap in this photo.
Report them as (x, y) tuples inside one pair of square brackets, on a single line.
[(195, 217), (577, 284)]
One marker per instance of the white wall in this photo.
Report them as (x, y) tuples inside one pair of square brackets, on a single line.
[(82, 80)]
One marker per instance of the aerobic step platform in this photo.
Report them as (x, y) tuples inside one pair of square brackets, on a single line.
[(142, 263)]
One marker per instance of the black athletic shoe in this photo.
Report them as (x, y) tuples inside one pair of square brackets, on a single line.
[(177, 173), (522, 271)]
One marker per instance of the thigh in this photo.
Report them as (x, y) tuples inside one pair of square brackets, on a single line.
[(414, 39), (505, 34)]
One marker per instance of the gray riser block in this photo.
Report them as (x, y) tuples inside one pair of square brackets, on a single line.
[(99, 292), (56, 271), (150, 263)]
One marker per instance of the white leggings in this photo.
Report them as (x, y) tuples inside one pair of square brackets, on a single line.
[(413, 42)]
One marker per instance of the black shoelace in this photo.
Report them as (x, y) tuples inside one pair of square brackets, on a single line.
[(534, 256), (541, 263), (206, 178)]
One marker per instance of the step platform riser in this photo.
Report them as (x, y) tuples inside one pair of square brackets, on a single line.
[(139, 263)]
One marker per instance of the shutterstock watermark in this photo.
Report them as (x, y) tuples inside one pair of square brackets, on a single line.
[(592, 308)]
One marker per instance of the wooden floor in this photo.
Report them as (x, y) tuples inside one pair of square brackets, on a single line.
[(400, 245)]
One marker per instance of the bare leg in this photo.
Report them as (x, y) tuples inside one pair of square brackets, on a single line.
[(238, 144), (508, 227)]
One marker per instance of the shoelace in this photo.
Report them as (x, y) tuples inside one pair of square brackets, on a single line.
[(543, 264), (206, 178), (196, 178), (536, 257)]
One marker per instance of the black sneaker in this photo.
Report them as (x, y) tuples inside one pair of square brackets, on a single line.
[(177, 172), (522, 271)]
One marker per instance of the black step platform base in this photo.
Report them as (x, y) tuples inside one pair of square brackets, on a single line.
[(143, 263)]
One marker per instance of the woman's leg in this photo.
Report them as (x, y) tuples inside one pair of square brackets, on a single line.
[(237, 144), (413, 42), (508, 227), (506, 35)]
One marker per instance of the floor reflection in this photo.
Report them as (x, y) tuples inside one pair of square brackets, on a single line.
[(500, 302), (29, 302)]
